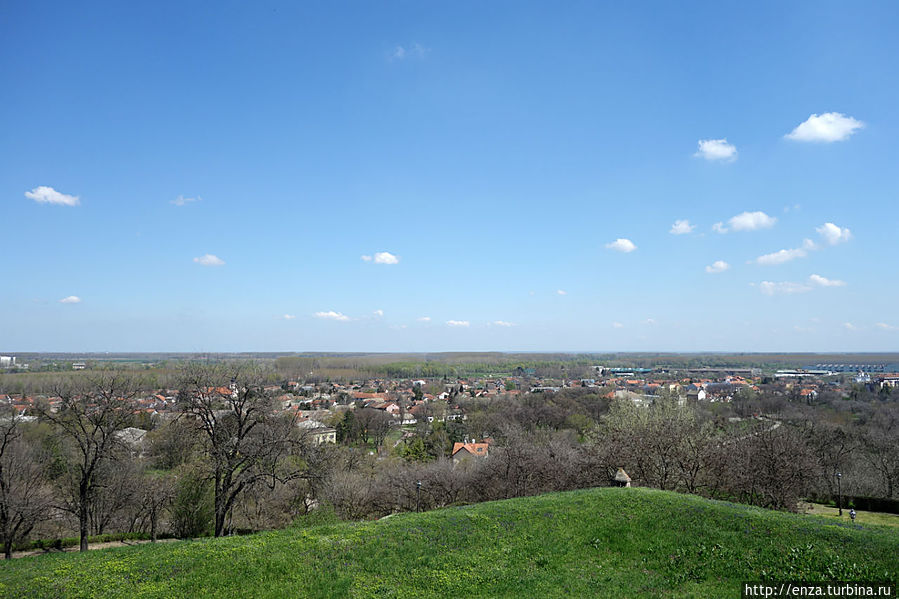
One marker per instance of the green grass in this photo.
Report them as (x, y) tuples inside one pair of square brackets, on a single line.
[(861, 517), (596, 543)]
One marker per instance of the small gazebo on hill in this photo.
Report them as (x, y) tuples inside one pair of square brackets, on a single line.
[(621, 478)]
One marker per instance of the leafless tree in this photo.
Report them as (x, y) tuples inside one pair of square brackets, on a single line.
[(91, 411), (25, 498), (245, 441)]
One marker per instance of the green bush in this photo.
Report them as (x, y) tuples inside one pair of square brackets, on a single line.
[(192, 510)]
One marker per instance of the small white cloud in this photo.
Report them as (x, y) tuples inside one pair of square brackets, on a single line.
[(781, 256), (825, 282), (849, 326), (834, 234), (719, 228), (378, 313), (716, 149), (783, 288), (381, 258), (415, 50), (617, 325), (48, 195), (458, 323), (650, 321), (288, 317), (828, 127), (622, 245), (72, 299), (332, 315), (886, 327), (561, 292), (424, 319), (209, 260), (503, 323), (681, 227), (749, 221), (182, 201), (717, 266)]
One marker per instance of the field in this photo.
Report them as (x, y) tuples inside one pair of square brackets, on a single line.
[(861, 517), (599, 543)]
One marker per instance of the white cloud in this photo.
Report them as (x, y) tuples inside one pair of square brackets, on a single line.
[(834, 234), (681, 227), (622, 245), (748, 221), (781, 256), (717, 266), (209, 260), (886, 327), (719, 228), (424, 319), (828, 127), (825, 282), (716, 149), (48, 195), (849, 326), (783, 288), (650, 321), (386, 258), (414, 50), (288, 317), (790, 287), (561, 292), (182, 201), (382, 258), (617, 325), (503, 323), (332, 315), (378, 313), (458, 323), (72, 299)]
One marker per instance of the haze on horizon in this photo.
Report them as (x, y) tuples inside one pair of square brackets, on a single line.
[(414, 177)]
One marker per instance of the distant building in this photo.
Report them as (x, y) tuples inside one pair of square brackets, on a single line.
[(318, 432), (463, 451), (79, 366), (7, 361)]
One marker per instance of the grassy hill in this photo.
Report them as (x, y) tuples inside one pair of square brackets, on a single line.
[(599, 542)]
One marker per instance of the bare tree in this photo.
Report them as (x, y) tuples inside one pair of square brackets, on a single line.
[(91, 411), (373, 425), (245, 440), (25, 498)]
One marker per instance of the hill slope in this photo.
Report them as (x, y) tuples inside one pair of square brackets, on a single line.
[(599, 542)]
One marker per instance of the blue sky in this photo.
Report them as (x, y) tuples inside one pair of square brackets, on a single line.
[(484, 157)]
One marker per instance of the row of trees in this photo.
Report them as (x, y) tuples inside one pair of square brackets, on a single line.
[(77, 458)]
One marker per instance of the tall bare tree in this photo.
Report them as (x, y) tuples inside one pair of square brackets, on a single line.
[(245, 440), (90, 413), (25, 497)]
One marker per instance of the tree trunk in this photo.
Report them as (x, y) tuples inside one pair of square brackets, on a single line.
[(83, 521), (153, 525), (220, 512), (7, 549)]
